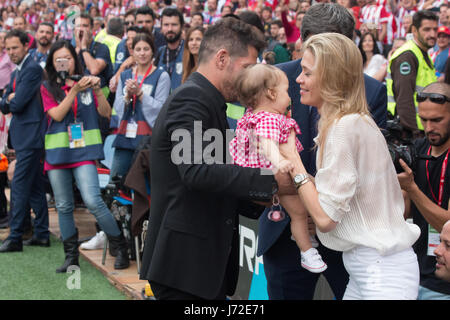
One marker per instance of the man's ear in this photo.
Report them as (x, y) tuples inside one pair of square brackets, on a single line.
[(222, 59)]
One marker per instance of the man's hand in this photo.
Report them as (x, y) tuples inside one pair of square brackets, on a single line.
[(77, 39), (11, 96), (285, 184), (406, 178)]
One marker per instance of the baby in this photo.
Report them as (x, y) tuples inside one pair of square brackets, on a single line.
[(263, 89)]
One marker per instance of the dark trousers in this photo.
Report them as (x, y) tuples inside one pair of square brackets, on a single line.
[(28, 189), (287, 280), (163, 292), (3, 200)]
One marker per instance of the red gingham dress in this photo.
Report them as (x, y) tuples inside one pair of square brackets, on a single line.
[(265, 124)]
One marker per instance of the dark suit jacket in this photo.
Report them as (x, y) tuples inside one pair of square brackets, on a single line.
[(306, 118), (27, 126), (192, 242)]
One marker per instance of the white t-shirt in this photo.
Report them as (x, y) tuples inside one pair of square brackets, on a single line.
[(374, 65), (359, 189)]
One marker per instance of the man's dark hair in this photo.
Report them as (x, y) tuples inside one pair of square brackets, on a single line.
[(145, 10), (279, 23), (136, 29), (233, 35), (197, 14), (172, 12), (130, 12), (327, 17), (85, 15), (252, 18), (22, 35), (115, 27), (48, 24), (419, 16)]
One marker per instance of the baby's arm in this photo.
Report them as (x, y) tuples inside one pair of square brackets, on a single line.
[(269, 149)]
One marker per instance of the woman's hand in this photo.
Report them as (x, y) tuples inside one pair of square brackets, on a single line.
[(131, 87), (113, 84), (82, 85), (95, 83)]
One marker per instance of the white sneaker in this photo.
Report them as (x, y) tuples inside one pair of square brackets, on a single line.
[(312, 261), (97, 242)]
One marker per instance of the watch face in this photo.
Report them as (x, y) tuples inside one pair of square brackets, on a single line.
[(298, 178)]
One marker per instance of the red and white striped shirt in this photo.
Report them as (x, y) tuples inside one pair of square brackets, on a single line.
[(373, 14), (391, 33), (402, 12)]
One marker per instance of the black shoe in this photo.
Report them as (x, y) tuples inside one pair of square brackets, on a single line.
[(122, 259), (11, 246), (37, 242), (71, 252)]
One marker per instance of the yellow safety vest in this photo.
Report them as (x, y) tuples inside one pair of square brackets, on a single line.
[(425, 76)]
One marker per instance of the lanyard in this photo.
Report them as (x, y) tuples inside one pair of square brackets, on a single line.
[(441, 181), (168, 68), (74, 105), (142, 82), (14, 85)]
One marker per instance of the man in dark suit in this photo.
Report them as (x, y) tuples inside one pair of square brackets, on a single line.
[(22, 99), (192, 245), (286, 279)]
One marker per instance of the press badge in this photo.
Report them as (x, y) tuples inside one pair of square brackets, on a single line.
[(76, 135), (433, 240), (132, 127)]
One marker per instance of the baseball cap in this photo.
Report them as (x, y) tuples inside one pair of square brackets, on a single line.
[(444, 29)]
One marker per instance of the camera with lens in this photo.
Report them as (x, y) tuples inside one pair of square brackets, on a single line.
[(399, 147)]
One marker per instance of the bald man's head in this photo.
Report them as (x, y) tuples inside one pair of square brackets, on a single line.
[(438, 87)]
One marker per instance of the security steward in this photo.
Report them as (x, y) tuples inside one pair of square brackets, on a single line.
[(410, 70)]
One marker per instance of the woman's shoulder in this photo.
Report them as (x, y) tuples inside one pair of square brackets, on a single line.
[(352, 123)]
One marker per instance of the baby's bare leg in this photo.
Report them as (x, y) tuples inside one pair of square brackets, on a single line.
[(299, 220)]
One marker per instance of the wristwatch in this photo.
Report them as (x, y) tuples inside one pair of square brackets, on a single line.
[(300, 179)]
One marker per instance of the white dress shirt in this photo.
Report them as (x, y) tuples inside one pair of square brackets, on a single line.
[(358, 188)]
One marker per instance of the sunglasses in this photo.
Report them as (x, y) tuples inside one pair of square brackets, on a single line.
[(434, 97)]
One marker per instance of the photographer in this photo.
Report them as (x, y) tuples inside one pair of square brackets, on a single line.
[(72, 145), (427, 192)]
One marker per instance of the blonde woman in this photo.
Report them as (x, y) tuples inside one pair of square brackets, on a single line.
[(355, 201)]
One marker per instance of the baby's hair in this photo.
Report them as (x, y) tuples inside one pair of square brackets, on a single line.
[(255, 81)]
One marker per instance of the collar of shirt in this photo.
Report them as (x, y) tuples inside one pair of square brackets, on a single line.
[(19, 66)]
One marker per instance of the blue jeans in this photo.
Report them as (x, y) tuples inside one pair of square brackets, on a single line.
[(427, 294), (121, 162), (86, 178)]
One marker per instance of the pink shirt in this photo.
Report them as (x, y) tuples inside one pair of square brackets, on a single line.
[(49, 102), (265, 124), (6, 68)]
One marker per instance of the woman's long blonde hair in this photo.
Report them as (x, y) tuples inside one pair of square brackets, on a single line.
[(338, 65)]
